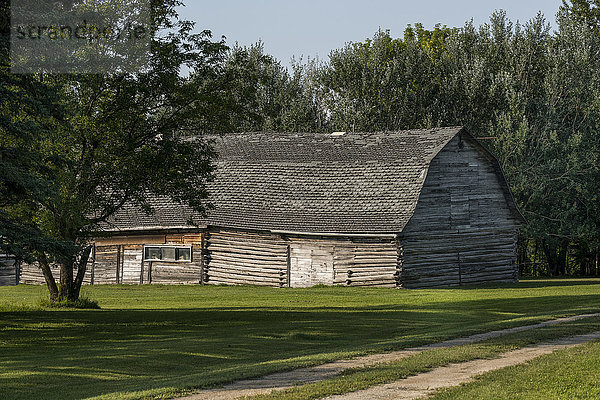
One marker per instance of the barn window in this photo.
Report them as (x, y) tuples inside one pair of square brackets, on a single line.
[(168, 253)]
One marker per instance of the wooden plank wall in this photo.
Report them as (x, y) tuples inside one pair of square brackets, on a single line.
[(119, 261), (132, 264), (237, 258), (31, 274), (123, 264), (462, 231), (464, 258), (179, 272), (104, 266), (9, 271)]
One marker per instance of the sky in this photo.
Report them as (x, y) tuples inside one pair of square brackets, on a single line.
[(312, 28)]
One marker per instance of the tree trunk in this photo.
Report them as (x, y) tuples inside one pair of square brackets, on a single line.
[(69, 286), (557, 255), (564, 257), (81, 269), (49, 278), (550, 253), (65, 291)]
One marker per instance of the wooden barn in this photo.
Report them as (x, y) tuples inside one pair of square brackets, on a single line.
[(411, 209)]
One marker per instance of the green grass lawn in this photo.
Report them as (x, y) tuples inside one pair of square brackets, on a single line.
[(158, 340)]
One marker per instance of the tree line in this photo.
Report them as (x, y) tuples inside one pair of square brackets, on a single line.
[(74, 148)]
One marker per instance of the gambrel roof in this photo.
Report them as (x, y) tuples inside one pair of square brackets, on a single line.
[(306, 182)]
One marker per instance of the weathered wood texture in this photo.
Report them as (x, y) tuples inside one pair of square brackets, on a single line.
[(120, 261), (235, 257), (462, 230), (31, 274), (105, 266), (238, 258), (342, 261), (9, 271), (177, 272)]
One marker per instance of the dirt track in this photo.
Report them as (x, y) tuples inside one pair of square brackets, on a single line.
[(421, 385), (301, 376)]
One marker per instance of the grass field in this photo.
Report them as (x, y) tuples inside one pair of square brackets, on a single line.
[(155, 341)]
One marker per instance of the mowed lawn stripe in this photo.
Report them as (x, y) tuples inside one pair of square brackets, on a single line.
[(276, 383)]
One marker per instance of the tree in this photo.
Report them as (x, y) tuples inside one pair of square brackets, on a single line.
[(263, 96), (586, 11), (126, 136)]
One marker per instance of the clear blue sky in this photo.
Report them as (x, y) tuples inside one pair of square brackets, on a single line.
[(314, 27)]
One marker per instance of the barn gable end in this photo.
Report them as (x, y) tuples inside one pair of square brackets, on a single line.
[(465, 226)]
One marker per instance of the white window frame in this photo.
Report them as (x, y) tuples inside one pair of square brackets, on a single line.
[(174, 246)]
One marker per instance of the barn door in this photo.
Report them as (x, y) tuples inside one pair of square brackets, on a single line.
[(310, 264)]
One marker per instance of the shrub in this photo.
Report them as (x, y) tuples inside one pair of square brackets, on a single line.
[(81, 303)]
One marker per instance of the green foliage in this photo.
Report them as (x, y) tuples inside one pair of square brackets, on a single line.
[(586, 11), (28, 109), (75, 149), (263, 96)]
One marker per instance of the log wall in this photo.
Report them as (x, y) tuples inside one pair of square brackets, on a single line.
[(462, 231), (235, 257), (242, 258), (31, 274)]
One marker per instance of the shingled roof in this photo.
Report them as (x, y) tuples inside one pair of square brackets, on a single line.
[(307, 182)]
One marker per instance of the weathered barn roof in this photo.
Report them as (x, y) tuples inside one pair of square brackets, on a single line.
[(307, 182)]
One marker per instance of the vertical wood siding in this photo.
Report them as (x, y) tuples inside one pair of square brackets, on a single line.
[(104, 266), (123, 263), (462, 231), (343, 262), (9, 271), (311, 262)]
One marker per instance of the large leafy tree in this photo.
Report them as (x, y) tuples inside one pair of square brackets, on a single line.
[(586, 11), (125, 137)]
